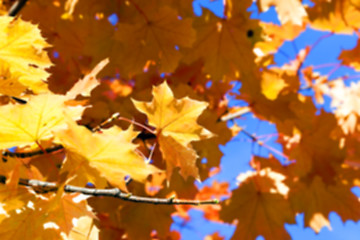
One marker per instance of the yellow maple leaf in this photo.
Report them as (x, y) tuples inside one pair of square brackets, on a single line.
[(22, 48), (110, 152), (9, 83), (34, 121), (176, 126), (272, 84)]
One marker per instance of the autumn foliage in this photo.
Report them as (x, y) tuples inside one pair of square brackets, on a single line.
[(139, 103)]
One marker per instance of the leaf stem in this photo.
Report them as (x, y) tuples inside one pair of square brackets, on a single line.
[(137, 124)]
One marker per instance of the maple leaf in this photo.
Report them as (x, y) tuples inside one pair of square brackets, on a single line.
[(185, 7), (215, 191), (161, 30), (288, 10), (346, 101), (22, 48), (335, 16), (209, 148), (17, 127), (9, 83), (317, 82), (102, 151), (176, 127), (271, 85), (63, 209), (315, 154), (72, 39), (275, 80), (226, 44), (184, 157), (200, 57), (119, 215), (32, 220), (14, 168), (317, 199), (351, 57), (14, 198), (84, 230), (129, 213), (260, 206), (88, 83), (59, 209), (275, 36)]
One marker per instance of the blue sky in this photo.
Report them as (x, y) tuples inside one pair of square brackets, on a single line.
[(238, 152)]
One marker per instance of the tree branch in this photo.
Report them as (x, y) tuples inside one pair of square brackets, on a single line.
[(232, 116), (16, 7), (33, 153), (44, 187)]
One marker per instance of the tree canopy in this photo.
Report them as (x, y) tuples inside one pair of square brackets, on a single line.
[(112, 110)]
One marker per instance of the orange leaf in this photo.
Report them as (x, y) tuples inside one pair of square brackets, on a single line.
[(116, 216), (260, 207), (28, 224), (154, 39), (351, 57), (226, 44), (176, 127), (102, 151), (63, 209), (84, 230), (317, 199)]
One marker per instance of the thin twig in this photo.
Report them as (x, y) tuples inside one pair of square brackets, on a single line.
[(262, 143), (239, 113), (137, 124), (31, 154), (19, 100), (254, 138), (16, 7), (107, 121), (43, 187)]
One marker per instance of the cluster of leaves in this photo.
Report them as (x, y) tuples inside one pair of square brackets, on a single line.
[(165, 76)]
